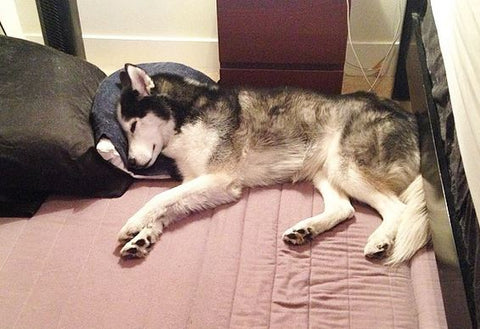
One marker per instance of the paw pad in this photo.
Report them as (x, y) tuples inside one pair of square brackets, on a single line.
[(140, 242), (378, 252), (299, 236), (131, 251), (139, 246)]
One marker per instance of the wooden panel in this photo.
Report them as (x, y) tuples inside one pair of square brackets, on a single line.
[(282, 32), (329, 82)]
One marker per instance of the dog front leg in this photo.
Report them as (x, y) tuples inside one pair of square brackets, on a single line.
[(143, 229)]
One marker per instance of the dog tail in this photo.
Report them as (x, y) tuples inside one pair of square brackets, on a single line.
[(414, 228)]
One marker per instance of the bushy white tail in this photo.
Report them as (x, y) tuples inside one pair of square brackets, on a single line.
[(414, 228)]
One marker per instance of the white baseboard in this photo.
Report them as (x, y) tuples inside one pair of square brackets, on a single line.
[(111, 52)]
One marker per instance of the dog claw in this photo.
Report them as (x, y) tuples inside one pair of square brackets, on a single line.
[(125, 237)]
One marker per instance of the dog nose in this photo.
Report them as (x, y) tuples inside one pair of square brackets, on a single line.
[(132, 163)]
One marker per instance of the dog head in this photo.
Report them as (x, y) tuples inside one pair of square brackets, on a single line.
[(145, 117)]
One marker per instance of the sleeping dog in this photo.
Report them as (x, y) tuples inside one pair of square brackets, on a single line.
[(224, 140)]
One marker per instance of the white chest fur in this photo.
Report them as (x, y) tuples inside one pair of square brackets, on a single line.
[(192, 148)]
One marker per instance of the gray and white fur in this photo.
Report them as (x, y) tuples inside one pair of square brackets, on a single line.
[(223, 140)]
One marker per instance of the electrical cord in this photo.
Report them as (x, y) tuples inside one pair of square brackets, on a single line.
[(380, 68), (3, 30)]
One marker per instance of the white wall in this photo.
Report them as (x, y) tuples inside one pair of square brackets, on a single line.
[(373, 27), (119, 31), (9, 17)]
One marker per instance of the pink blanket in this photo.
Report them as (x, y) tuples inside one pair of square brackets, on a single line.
[(225, 268)]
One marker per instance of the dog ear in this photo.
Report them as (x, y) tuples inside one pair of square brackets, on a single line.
[(124, 80), (138, 79)]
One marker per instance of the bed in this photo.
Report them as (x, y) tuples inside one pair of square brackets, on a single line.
[(226, 268), (223, 268), (439, 64)]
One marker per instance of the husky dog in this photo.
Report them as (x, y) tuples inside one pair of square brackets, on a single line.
[(224, 140)]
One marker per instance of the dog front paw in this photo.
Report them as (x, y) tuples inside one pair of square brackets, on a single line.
[(139, 234), (140, 245), (298, 235)]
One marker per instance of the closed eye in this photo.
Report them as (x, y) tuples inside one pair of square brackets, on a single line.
[(133, 127)]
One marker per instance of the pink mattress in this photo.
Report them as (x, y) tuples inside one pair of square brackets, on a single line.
[(226, 268)]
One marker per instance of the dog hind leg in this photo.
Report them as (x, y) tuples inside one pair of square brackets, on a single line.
[(380, 242), (337, 209), (387, 204)]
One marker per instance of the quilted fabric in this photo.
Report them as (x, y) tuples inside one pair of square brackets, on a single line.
[(219, 269)]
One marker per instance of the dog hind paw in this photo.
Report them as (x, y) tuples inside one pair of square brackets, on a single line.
[(378, 248)]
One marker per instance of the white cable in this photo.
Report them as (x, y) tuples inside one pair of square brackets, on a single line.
[(383, 61), (372, 70), (351, 44), (388, 58)]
